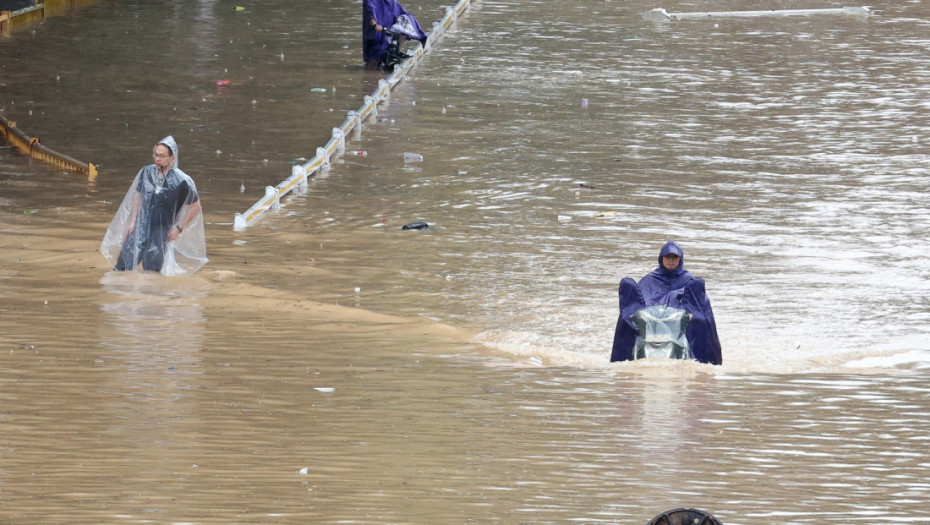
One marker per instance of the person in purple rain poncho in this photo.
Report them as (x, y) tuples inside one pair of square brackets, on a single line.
[(378, 15), (672, 286)]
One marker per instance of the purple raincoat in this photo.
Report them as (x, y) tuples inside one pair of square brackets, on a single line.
[(675, 288), (385, 12)]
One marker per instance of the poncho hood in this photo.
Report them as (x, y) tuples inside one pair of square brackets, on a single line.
[(663, 286), (172, 145), (671, 247)]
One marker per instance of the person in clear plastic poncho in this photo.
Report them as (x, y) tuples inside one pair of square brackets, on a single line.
[(160, 221)]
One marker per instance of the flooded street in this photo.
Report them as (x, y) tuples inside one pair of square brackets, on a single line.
[(328, 367)]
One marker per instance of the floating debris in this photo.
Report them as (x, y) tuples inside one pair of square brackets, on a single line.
[(659, 14)]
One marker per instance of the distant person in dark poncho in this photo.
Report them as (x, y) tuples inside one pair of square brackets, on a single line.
[(378, 15)]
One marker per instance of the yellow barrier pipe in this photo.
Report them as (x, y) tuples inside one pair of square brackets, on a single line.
[(30, 146), (12, 20)]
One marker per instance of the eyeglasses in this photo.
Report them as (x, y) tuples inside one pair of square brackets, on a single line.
[(161, 156)]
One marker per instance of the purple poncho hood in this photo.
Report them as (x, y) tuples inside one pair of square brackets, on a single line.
[(659, 284)]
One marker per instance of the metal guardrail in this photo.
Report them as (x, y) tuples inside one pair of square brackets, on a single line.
[(30, 146), (353, 122)]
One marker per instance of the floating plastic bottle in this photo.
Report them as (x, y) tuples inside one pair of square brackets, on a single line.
[(318, 90), (358, 153), (412, 157)]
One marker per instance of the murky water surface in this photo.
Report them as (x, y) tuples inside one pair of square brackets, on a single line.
[(467, 381)]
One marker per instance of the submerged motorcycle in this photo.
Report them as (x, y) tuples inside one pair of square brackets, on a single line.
[(683, 328), (403, 28)]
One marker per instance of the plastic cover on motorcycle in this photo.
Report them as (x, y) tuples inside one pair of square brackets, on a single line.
[(406, 25), (661, 332), (702, 343)]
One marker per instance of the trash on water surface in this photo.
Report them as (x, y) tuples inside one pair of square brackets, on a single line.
[(419, 225), (358, 153), (412, 157), (304, 471), (223, 82), (661, 15), (325, 389), (318, 90)]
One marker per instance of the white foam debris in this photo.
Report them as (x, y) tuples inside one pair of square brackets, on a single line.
[(659, 14)]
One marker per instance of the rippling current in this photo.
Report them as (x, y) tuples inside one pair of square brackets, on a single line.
[(787, 155), (467, 380)]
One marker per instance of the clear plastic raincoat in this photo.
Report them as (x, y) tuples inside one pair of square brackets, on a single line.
[(155, 204)]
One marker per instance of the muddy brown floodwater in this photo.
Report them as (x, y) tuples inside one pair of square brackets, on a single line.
[(466, 381)]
